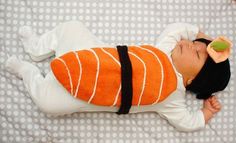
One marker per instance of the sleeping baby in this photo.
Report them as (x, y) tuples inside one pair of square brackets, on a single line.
[(88, 75)]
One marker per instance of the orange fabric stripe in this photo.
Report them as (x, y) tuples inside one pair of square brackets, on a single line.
[(108, 79), (137, 77), (170, 79), (73, 67), (88, 74), (153, 75), (59, 69)]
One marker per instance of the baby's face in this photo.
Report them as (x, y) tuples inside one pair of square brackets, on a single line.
[(189, 57)]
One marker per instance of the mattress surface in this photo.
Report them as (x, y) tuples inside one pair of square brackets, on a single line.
[(114, 22)]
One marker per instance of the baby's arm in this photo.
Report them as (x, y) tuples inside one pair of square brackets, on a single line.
[(210, 107), (173, 33), (175, 110)]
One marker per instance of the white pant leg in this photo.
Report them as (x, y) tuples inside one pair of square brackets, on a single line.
[(56, 100), (63, 38), (48, 94), (74, 36)]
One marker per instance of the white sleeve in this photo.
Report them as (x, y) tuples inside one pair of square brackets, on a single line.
[(174, 109), (173, 33)]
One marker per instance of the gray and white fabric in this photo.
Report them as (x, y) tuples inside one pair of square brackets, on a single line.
[(114, 22)]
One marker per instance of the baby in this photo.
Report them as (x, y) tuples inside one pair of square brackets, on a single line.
[(181, 61)]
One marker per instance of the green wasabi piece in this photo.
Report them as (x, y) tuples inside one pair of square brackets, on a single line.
[(219, 45)]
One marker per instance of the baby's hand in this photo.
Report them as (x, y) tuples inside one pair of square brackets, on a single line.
[(212, 104)]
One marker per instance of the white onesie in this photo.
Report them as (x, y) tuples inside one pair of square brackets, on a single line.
[(51, 97)]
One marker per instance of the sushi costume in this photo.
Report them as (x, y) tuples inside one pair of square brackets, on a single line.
[(95, 75), (52, 97)]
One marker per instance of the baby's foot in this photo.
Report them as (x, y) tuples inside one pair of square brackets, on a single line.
[(29, 38), (13, 65)]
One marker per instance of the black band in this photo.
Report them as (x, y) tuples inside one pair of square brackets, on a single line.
[(126, 80), (203, 40)]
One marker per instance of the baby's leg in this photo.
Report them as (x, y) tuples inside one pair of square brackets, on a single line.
[(38, 47), (46, 93), (65, 37), (74, 36)]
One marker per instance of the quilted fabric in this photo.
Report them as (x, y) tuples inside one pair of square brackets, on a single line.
[(115, 22)]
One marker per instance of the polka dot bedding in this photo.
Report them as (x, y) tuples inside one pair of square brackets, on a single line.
[(114, 22)]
